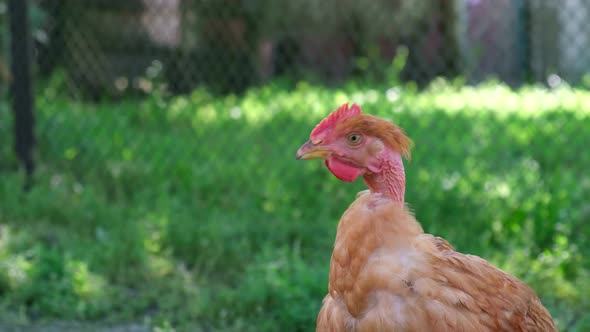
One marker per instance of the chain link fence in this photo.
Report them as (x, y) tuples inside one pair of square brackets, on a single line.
[(110, 48), (100, 50)]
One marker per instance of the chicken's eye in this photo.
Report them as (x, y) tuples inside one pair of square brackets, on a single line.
[(354, 139)]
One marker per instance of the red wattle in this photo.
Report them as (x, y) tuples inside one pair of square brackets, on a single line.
[(341, 170)]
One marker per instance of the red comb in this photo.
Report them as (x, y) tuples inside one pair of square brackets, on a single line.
[(341, 114)]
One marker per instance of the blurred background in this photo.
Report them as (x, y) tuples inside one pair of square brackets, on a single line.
[(152, 185)]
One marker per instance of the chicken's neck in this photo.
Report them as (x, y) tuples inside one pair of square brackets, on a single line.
[(391, 180)]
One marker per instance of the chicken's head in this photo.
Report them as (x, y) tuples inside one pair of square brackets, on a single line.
[(354, 144)]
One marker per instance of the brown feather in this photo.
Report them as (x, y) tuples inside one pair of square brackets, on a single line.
[(387, 275), (392, 135)]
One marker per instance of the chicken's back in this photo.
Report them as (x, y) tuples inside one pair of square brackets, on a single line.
[(387, 275)]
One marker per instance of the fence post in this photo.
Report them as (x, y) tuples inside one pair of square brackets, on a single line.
[(21, 87)]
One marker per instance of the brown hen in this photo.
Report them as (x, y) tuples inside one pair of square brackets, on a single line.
[(386, 274)]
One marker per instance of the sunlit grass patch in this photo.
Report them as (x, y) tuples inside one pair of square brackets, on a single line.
[(191, 211)]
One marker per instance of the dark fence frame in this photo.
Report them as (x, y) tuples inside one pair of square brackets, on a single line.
[(21, 87)]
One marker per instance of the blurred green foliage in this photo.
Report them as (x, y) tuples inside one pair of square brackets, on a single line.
[(191, 212)]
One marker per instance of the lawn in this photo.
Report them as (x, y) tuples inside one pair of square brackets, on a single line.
[(191, 212)]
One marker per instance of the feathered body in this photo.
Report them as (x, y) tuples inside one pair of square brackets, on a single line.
[(386, 274)]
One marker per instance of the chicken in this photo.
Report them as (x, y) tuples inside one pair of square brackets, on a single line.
[(386, 274)]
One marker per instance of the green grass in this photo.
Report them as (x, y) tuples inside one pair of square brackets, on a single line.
[(192, 213)]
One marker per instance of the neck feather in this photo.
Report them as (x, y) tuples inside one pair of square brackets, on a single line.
[(391, 180)]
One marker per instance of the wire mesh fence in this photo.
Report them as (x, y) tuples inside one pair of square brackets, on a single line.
[(105, 50), (105, 47)]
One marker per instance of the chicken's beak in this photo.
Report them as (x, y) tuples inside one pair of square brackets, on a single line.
[(311, 151)]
